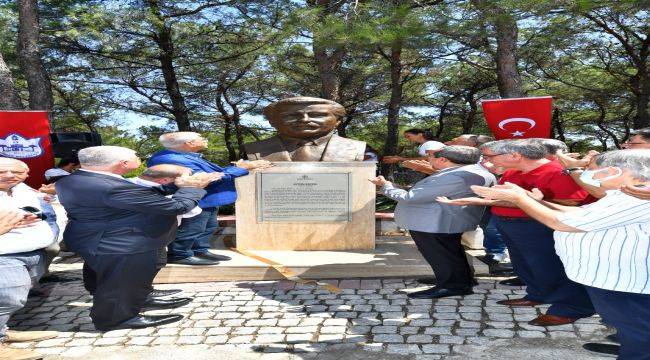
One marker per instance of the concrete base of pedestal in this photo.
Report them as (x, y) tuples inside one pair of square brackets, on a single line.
[(394, 256)]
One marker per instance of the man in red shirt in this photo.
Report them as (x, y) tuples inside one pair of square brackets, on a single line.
[(531, 243)]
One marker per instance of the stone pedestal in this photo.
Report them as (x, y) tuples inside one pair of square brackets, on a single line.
[(307, 206)]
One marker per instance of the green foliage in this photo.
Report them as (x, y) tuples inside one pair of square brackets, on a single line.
[(105, 62)]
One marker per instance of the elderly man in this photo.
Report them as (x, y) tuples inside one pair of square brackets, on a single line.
[(160, 176), (435, 227), (117, 227), (470, 140), (530, 242), (306, 128), (28, 227), (192, 243), (604, 245), (496, 255)]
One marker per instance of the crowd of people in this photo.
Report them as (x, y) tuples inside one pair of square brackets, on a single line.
[(574, 230), (577, 230)]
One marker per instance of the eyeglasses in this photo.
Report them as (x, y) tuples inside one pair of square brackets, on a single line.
[(491, 156)]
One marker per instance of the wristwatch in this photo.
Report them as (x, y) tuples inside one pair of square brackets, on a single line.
[(568, 171)]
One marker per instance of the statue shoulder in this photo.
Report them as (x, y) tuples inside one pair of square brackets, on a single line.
[(257, 146)]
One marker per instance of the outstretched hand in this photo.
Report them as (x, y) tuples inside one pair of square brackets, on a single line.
[(200, 180), (642, 193), (9, 220), (253, 164), (379, 181), (422, 166), (506, 192), (462, 201)]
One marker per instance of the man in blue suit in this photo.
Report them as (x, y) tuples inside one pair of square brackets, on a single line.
[(117, 227), (192, 243)]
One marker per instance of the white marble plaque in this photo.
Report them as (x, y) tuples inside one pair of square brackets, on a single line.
[(303, 197)]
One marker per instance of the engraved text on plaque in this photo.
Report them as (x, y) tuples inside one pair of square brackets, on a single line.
[(303, 197)]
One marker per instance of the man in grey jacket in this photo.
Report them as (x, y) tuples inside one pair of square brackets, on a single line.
[(435, 227)]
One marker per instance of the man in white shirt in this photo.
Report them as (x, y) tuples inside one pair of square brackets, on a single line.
[(65, 167), (22, 255), (605, 245)]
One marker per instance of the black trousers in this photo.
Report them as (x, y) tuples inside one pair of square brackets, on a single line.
[(119, 284), (446, 256)]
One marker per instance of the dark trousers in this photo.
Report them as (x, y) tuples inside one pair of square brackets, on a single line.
[(119, 283), (629, 313), (533, 257), (446, 256), (194, 234)]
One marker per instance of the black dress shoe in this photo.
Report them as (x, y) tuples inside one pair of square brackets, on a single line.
[(156, 293), (512, 282), (139, 322), (501, 269), (166, 303), (432, 281), (436, 293), (610, 349), (211, 256), (613, 338), (193, 260), (427, 281)]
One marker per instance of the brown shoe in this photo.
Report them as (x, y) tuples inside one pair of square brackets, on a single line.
[(519, 302), (551, 320), (7, 353), (12, 336)]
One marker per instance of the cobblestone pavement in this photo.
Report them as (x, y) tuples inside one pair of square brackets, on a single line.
[(281, 319)]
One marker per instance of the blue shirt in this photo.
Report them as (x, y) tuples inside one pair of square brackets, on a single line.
[(220, 192)]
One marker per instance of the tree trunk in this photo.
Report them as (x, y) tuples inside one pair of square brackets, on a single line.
[(227, 138), (38, 81), (508, 78), (470, 119), (328, 65), (163, 39), (328, 71), (505, 58), (395, 103), (557, 128), (641, 85), (9, 99)]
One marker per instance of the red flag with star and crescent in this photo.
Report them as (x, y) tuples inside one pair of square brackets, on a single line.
[(519, 118)]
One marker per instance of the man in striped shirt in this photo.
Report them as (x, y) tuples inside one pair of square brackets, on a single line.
[(605, 245)]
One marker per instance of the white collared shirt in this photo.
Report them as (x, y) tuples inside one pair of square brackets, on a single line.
[(146, 183), (38, 236), (103, 173), (55, 172), (614, 251)]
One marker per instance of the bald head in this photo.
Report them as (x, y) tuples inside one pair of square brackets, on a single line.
[(187, 141), (12, 173), (164, 173), (4, 161)]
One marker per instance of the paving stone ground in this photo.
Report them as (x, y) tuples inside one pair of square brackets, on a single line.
[(370, 318)]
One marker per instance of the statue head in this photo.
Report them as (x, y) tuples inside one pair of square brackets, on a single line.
[(304, 117)]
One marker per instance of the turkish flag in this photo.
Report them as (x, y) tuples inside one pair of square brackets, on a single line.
[(519, 118), (25, 135)]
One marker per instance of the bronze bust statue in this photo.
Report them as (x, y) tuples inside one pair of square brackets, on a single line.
[(305, 128)]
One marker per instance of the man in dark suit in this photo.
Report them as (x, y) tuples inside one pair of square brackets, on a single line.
[(117, 228)]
